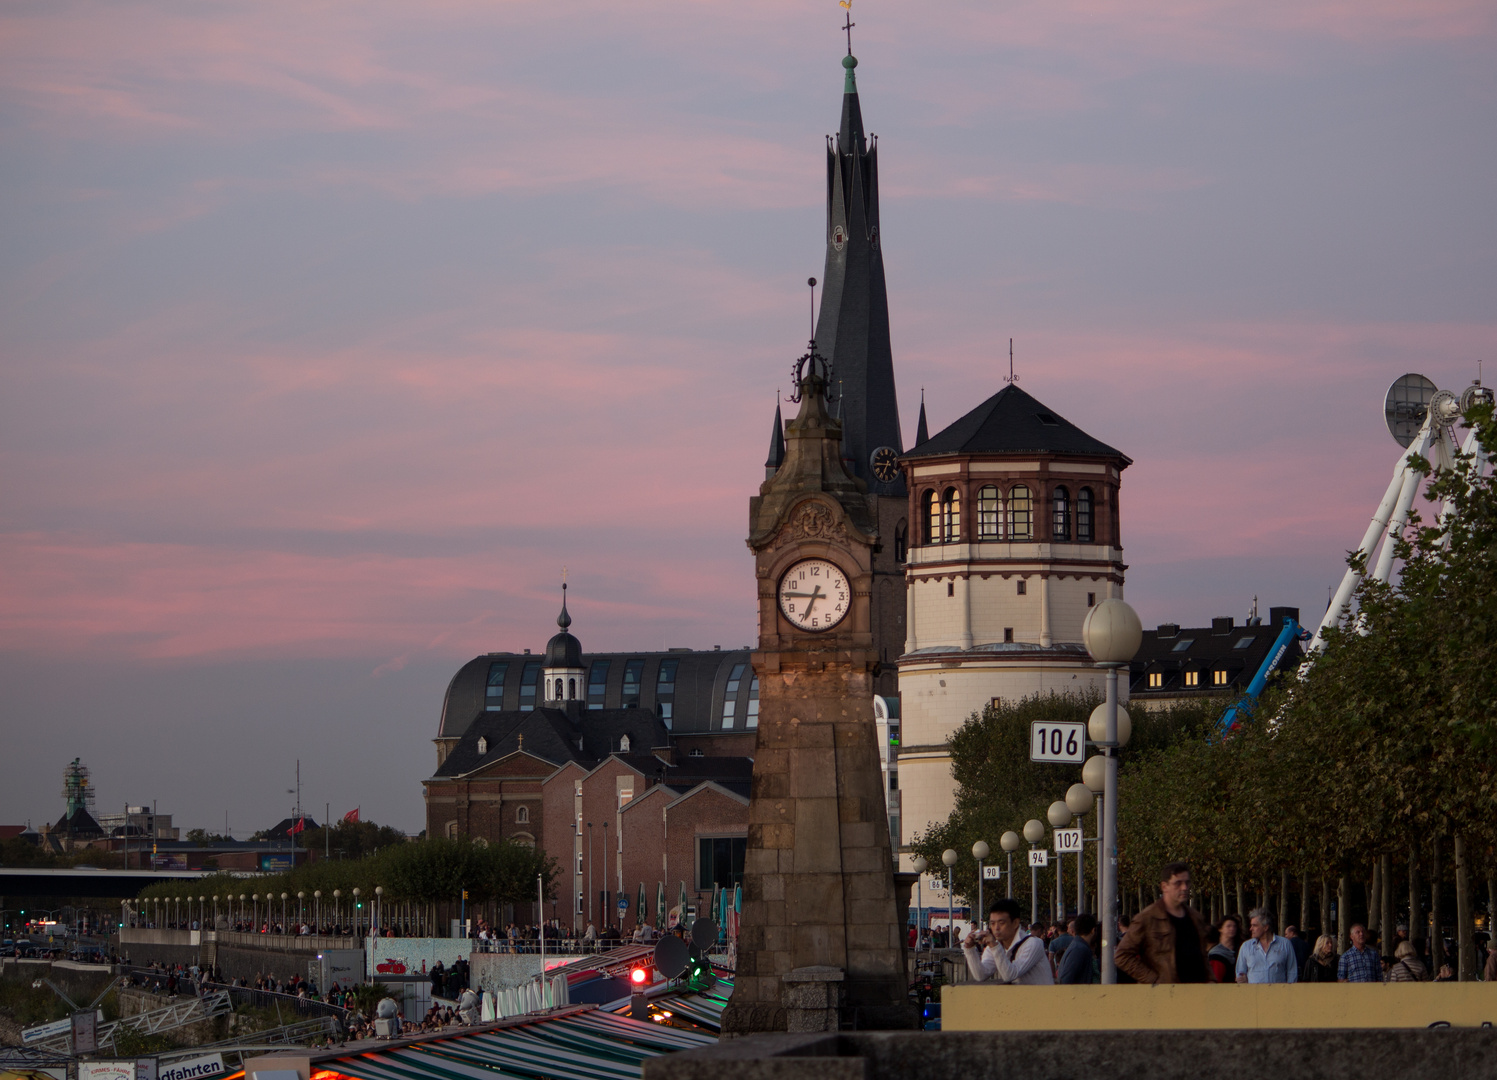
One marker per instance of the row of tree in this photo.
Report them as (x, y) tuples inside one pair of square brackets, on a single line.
[(1372, 771), (421, 872)]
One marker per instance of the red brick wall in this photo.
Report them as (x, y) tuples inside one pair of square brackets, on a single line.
[(644, 843), (708, 812)]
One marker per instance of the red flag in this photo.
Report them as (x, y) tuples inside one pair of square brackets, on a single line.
[(352, 815), (300, 826)]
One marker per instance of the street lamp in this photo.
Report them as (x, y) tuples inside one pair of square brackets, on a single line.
[(284, 898), (980, 852), (357, 913), (1112, 634), (1060, 816), (1034, 832), (202, 905), (337, 895), (301, 907), (1079, 799), (379, 906), (949, 857), (1009, 841), (919, 865)]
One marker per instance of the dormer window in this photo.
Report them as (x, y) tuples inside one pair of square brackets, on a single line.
[(623, 744), (483, 746)]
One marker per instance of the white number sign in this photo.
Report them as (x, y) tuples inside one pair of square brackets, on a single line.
[(1064, 743), (1067, 841), (1039, 857), (991, 873)]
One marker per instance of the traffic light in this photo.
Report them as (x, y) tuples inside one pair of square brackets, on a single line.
[(639, 978)]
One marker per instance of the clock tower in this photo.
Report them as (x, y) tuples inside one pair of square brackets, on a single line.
[(820, 933)]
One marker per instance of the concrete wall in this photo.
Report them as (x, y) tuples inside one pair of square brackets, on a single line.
[(1217, 1007), (419, 955), (502, 971)]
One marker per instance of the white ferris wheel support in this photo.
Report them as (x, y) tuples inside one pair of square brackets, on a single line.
[(1435, 440)]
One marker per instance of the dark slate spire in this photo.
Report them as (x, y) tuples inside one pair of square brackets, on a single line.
[(563, 620), (922, 433), (852, 328), (776, 443)]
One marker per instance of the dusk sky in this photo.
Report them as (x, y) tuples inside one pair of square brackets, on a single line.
[(330, 333)]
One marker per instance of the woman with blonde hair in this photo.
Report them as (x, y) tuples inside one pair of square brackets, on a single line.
[(1407, 967), (1321, 964)]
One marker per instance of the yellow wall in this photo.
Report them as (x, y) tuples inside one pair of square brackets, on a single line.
[(1226, 1006)]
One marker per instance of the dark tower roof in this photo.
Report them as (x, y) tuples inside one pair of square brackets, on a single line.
[(776, 441), (563, 650), (1012, 422), (922, 433), (852, 328)]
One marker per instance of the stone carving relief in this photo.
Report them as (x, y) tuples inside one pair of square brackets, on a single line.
[(811, 521)]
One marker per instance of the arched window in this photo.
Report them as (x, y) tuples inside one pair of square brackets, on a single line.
[(1020, 514), (571, 689), (1084, 515), (623, 744), (522, 816), (989, 525), (557, 696), (1061, 499), (901, 541), (951, 515), (483, 746), (931, 533)]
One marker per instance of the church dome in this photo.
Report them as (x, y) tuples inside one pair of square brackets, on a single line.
[(563, 650)]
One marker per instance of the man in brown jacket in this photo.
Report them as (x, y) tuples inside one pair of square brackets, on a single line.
[(1167, 941)]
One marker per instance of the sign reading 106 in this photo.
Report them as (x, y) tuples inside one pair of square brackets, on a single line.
[(1064, 742)]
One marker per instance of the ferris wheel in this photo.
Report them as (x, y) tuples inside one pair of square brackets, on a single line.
[(1422, 419)]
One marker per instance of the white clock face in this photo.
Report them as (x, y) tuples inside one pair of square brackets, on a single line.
[(815, 595)]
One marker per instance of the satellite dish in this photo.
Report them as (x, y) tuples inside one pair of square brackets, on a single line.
[(704, 934), (671, 955), (1406, 407)]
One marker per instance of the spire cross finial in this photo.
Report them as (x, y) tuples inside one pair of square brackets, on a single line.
[(849, 24), (812, 282), (1012, 378)]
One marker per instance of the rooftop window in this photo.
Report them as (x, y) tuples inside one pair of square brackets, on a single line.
[(494, 693), (633, 671), (1192, 678), (1243, 643), (730, 696), (597, 683), (529, 678), (1181, 646), (753, 704)]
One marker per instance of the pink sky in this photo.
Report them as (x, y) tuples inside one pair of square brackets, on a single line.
[(329, 334)]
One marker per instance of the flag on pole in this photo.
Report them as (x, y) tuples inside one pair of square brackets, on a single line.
[(352, 815), (684, 925), (300, 826), (660, 906), (639, 906)]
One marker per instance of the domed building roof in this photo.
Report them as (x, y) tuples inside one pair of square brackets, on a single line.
[(563, 650)]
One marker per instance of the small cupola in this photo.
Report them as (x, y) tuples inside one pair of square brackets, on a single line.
[(562, 676)]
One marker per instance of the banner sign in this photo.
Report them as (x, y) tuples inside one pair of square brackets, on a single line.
[(106, 1070), (198, 1068)]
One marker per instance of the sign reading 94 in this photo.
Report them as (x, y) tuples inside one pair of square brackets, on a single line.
[(815, 595)]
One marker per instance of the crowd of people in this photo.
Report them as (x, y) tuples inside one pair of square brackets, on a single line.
[(1171, 942)]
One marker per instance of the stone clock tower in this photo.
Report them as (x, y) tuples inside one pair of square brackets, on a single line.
[(820, 936)]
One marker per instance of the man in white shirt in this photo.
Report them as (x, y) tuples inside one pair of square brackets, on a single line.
[(1268, 958), (1008, 954)]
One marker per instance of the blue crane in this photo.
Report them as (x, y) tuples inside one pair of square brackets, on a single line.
[(1242, 709)]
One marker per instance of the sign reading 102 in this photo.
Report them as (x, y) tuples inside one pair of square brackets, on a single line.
[(1064, 742)]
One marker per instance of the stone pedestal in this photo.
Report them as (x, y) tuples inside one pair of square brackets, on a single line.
[(812, 998)]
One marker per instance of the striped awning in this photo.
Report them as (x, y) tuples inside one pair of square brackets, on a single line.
[(590, 1045)]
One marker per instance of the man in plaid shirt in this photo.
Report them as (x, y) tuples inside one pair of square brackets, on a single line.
[(1361, 962)]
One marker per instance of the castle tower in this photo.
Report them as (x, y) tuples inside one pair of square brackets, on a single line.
[(1017, 535)]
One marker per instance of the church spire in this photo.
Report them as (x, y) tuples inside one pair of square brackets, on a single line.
[(776, 442), (922, 433), (852, 327)]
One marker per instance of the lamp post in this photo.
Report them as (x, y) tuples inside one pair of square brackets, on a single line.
[(919, 865), (202, 910), (284, 898), (357, 914), (379, 908), (949, 857), (1009, 841), (980, 852), (1094, 775), (1112, 634), (1034, 832), (1079, 799), (1060, 817), (337, 895)]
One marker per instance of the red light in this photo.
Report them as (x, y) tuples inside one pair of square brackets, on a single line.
[(638, 976)]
